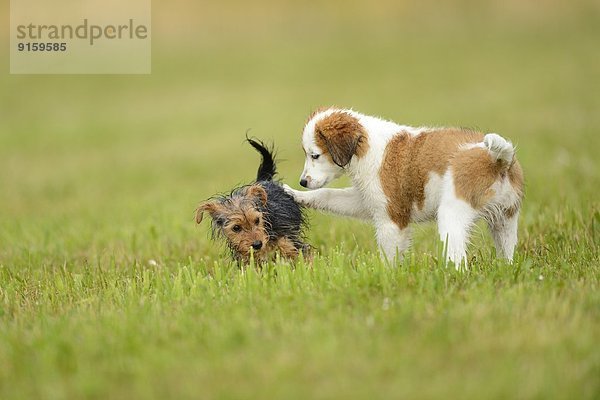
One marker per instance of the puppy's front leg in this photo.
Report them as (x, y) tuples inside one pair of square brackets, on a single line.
[(347, 202)]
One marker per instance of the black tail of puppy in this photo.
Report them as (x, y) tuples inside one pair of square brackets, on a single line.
[(266, 170)]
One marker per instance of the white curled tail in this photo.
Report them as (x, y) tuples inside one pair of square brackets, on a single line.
[(499, 148)]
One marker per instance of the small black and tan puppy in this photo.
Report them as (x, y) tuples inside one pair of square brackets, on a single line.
[(260, 218)]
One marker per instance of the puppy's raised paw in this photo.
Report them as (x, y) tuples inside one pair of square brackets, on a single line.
[(290, 191), (299, 196)]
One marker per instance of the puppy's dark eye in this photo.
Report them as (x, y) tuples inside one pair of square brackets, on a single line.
[(315, 156), (236, 228), (256, 221)]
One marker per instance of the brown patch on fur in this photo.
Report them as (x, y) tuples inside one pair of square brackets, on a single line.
[(210, 207), (258, 192), (408, 161), (285, 247), (341, 136), (475, 187), (515, 176), (511, 211), (474, 172), (317, 111)]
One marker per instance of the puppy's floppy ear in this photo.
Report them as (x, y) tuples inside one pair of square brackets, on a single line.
[(258, 192), (211, 207), (341, 135)]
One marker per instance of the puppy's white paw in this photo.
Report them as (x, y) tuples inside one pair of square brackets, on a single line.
[(290, 191), (299, 196)]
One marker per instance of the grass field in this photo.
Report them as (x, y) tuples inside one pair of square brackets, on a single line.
[(109, 290)]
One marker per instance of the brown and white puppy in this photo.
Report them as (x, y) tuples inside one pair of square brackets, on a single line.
[(402, 174)]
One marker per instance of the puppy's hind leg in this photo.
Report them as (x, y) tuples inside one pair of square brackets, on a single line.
[(504, 232)]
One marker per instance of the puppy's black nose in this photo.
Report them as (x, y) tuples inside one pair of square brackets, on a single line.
[(257, 245), (303, 182)]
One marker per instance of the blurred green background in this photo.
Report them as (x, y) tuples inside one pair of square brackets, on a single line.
[(108, 169)]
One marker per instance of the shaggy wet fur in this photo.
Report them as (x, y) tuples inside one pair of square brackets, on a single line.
[(260, 219)]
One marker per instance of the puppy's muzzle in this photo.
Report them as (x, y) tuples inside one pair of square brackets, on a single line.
[(257, 245)]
